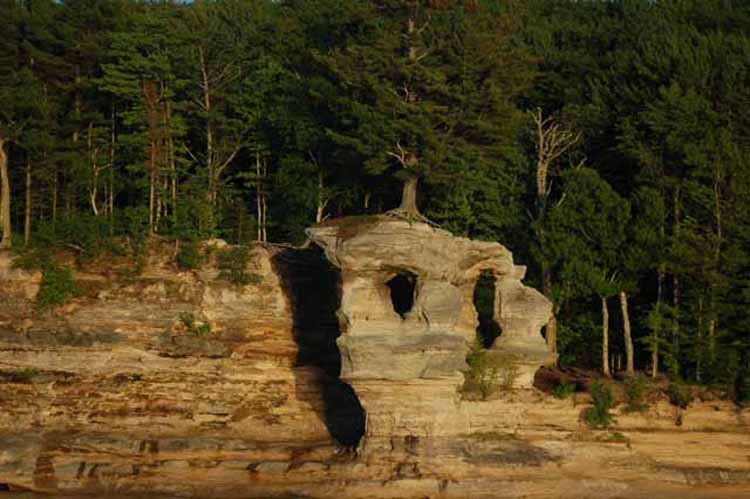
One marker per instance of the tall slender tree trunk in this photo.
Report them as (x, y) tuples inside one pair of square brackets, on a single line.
[(657, 329), (322, 199), (111, 191), (629, 363), (605, 337), (260, 202), (5, 242), (94, 191), (206, 88), (151, 189), (27, 209), (676, 291), (54, 197), (366, 203), (551, 329), (265, 202), (713, 321)]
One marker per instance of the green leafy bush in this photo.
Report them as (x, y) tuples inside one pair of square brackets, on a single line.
[(598, 415), (563, 390), (89, 235), (679, 394), (636, 388), (189, 255), (193, 326), (57, 285), (232, 264), (482, 375), (30, 260)]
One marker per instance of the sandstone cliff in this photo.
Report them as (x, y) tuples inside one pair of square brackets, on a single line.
[(113, 393)]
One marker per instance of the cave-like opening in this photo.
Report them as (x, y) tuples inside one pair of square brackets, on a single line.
[(314, 289), (403, 292), (484, 301)]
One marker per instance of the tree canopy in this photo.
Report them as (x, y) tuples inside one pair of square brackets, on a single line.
[(606, 143)]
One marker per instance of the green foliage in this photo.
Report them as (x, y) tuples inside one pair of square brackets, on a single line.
[(193, 326), (680, 394), (58, 285), (253, 120), (189, 256), (598, 415), (563, 390), (489, 371), (482, 375), (89, 236), (232, 264), (31, 259), (636, 389)]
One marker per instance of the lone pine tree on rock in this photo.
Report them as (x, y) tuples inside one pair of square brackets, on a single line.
[(425, 91)]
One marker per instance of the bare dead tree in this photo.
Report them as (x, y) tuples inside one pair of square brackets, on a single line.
[(552, 141)]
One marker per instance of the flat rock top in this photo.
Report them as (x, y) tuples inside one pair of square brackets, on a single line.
[(377, 243)]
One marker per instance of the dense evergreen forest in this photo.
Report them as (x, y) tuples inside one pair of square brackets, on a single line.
[(605, 142)]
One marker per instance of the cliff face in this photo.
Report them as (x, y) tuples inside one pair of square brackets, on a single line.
[(116, 392)]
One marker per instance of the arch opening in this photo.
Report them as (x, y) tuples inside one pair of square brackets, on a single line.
[(484, 302), (403, 292)]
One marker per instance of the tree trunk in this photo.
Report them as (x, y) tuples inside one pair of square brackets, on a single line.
[(54, 197), (265, 203), (676, 285), (712, 323), (657, 330), (27, 210), (322, 199), (629, 368), (409, 196), (94, 191), (5, 242), (605, 338), (551, 328)]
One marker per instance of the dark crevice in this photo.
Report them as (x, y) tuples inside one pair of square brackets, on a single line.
[(484, 302), (4, 487), (403, 290), (313, 286)]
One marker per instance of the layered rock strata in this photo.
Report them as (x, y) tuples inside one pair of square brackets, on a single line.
[(111, 395)]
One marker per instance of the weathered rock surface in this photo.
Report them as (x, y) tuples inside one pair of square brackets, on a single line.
[(388, 348), (112, 395)]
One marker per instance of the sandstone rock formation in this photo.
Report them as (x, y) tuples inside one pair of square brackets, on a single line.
[(112, 395), (407, 317)]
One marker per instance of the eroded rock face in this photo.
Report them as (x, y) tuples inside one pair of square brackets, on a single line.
[(110, 396), (407, 317)]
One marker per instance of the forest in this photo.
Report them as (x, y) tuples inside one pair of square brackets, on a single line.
[(605, 142)]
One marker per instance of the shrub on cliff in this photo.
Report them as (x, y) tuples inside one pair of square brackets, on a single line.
[(636, 389), (482, 376), (232, 264), (189, 255), (563, 390), (57, 285), (679, 394), (598, 415)]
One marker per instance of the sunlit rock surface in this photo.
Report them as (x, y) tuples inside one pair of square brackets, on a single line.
[(110, 395), (407, 318)]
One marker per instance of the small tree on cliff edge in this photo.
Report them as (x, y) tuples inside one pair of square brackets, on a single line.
[(425, 89)]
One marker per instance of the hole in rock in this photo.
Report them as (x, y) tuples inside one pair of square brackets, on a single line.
[(403, 290), (484, 302), (313, 286), (4, 487)]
